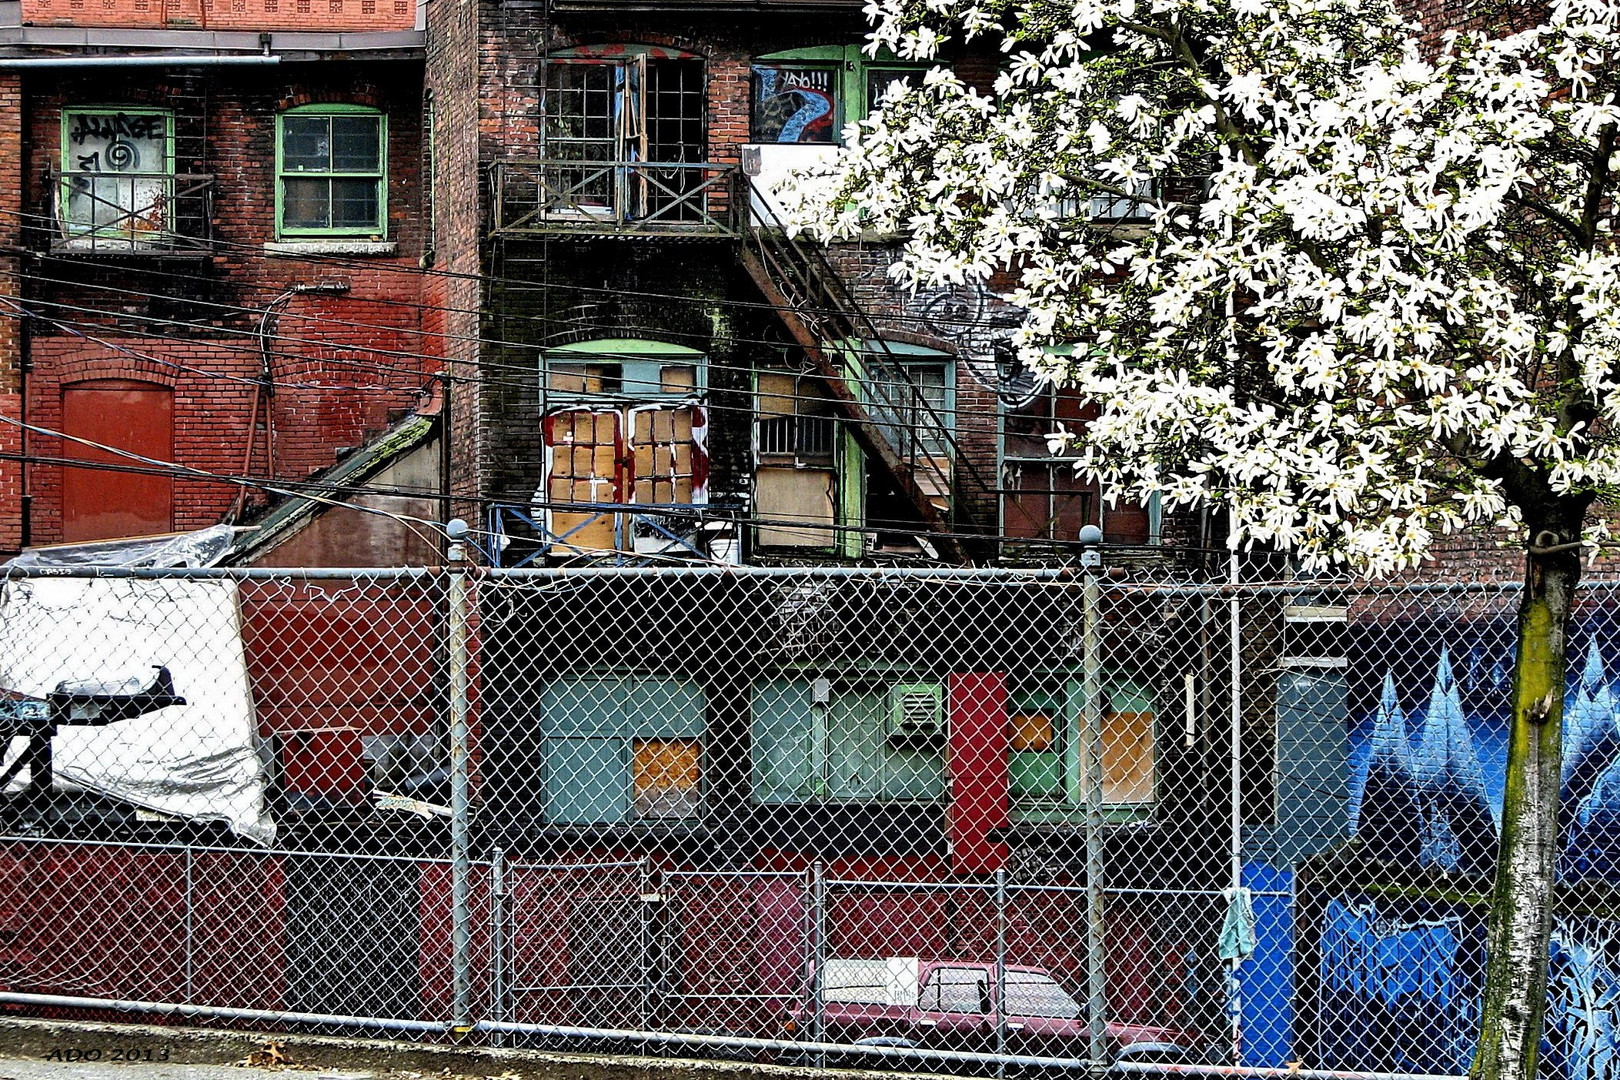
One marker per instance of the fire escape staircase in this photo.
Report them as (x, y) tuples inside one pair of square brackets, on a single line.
[(850, 355)]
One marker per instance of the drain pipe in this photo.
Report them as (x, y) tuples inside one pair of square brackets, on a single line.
[(14, 63)]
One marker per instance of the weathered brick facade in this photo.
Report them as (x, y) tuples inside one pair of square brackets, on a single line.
[(348, 343)]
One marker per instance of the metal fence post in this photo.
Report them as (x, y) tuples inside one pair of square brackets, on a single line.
[(1001, 969), (1091, 760), (818, 944), (460, 787), (497, 941), (191, 931), (1234, 992), (644, 908)]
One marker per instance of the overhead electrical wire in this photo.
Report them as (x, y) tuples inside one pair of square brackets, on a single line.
[(526, 370), (322, 491), (915, 430), (387, 264)]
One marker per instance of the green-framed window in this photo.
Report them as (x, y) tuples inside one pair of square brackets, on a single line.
[(808, 95), (332, 171), (1045, 715), (117, 173)]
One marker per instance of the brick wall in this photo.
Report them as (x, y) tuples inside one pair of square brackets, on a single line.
[(11, 327), (343, 364), (452, 78), (286, 15)]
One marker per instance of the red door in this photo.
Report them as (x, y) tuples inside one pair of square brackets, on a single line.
[(100, 504)]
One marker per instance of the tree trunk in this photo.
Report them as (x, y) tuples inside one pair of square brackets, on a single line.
[(1520, 925)]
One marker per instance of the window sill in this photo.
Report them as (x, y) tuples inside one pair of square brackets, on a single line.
[(331, 247)]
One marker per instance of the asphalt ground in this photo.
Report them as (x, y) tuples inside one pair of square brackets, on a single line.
[(33, 1049)]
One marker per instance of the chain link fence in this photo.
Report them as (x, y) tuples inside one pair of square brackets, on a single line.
[(972, 821)]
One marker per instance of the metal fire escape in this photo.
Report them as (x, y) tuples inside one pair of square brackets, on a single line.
[(895, 426)]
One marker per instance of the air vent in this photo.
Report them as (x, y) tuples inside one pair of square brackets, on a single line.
[(916, 713)]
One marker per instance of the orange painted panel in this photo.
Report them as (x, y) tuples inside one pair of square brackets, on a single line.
[(100, 504)]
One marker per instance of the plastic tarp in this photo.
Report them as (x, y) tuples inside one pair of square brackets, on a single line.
[(204, 547), (198, 760)]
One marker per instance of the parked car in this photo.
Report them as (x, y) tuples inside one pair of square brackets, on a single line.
[(952, 1005)]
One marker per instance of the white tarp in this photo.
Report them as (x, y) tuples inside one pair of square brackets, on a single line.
[(197, 760)]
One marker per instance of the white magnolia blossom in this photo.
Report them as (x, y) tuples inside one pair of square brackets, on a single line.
[(1372, 292)]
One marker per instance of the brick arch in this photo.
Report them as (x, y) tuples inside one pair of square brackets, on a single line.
[(360, 93), (81, 369), (700, 49)]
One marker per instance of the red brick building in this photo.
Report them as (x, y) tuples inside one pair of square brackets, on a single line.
[(659, 369), (241, 237), (212, 247)]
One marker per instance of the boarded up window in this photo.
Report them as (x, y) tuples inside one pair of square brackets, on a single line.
[(666, 777), (101, 504), (596, 459), (583, 452), (1127, 757), (667, 469), (1044, 739)]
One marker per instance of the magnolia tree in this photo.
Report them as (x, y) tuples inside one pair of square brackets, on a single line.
[(1370, 295)]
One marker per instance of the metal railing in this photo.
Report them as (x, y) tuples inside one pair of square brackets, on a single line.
[(537, 197), (892, 417), (639, 533), (102, 213)]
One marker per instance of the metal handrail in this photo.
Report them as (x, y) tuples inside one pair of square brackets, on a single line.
[(164, 211), (542, 195), (816, 289)]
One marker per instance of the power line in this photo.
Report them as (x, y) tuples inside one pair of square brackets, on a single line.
[(914, 429), (389, 266), (323, 490), (482, 364)]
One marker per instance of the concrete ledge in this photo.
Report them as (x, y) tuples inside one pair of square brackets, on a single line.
[(295, 248)]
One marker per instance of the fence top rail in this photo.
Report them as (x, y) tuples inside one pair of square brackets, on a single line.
[(156, 847), (993, 573)]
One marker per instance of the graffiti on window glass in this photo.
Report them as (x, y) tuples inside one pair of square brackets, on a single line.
[(117, 165), (118, 142), (793, 104)]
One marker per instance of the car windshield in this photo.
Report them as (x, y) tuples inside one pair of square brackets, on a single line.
[(1032, 994)]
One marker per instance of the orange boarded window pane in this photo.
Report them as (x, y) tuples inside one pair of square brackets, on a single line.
[(1032, 731), (1127, 757), (667, 777)]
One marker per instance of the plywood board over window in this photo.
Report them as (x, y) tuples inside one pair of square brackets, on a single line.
[(666, 443), (583, 452)]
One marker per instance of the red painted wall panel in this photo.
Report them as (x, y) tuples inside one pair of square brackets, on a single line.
[(976, 761)]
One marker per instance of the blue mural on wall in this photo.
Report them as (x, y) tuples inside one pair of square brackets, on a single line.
[(1400, 975)]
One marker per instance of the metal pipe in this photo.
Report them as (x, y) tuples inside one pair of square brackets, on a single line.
[(903, 1053), (497, 940), (1154, 1068), (1001, 967), (861, 883), (864, 572), (220, 573), (11, 63), (818, 942), (460, 785), (215, 1012), (190, 928), (262, 853)]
